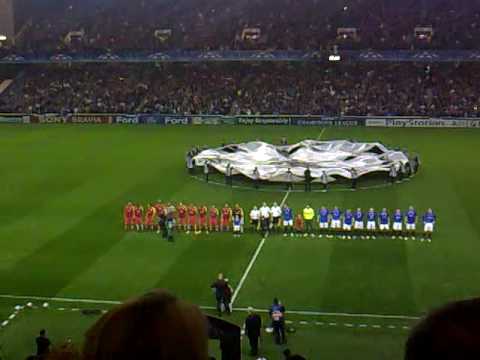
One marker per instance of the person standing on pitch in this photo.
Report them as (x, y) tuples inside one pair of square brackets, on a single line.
[(206, 171), (289, 176), (265, 214), (228, 174), (308, 216), (189, 160), (277, 314), (253, 327), (256, 178), (324, 180), (354, 176), (255, 218), (308, 179), (393, 174), (219, 288), (287, 220)]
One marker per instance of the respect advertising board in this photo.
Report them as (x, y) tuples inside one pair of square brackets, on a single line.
[(255, 120), (11, 118)]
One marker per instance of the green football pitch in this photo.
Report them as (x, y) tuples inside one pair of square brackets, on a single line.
[(62, 192)]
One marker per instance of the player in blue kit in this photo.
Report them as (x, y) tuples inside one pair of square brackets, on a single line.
[(359, 225), (410, 223), (429, 219), (323, 214), (384, 221), (336, 223), (287, 215), (347, 224), (397, 224), (237, 225), (371, 223)]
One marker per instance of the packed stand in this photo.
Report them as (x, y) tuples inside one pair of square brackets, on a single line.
[(236, 88), (153, 25)]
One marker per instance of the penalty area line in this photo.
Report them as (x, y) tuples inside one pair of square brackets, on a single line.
[(242, 309)]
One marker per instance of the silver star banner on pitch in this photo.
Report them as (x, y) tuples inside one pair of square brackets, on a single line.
[(338, 158)]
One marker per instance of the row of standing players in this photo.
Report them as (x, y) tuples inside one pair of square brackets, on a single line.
[(347, 224)]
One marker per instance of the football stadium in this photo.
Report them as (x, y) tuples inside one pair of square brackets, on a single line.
[(239, 179)]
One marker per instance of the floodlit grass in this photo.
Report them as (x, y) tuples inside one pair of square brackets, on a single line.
[(63, 189)]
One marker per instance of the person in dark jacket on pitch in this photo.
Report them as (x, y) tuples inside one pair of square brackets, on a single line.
[(219, 287), (277, 314), (227, 297), (253, 327), (43, 344)]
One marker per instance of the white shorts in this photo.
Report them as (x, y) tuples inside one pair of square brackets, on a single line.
[(336, 224), (384, 227), (410, 226), (428, 227), (287, 222), (236, 228), (347, 227), (371, 225), (359, 225), (397, 226), (324, 225)]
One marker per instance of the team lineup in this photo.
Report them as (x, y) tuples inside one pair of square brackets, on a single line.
[(266, 219)]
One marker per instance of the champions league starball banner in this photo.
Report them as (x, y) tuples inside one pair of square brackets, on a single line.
[(327, 160)]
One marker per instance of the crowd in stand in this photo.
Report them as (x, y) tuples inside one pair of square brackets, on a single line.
[(123, 25), (239, 88)]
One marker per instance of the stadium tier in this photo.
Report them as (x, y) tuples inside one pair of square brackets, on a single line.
[(246, 88)]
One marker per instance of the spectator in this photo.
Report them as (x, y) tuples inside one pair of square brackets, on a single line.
[(154, 326), (253, 327), (43, 344)]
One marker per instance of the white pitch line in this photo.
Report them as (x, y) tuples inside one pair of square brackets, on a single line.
[(321, 133), (295, 312), (247, 271), (253, 259)]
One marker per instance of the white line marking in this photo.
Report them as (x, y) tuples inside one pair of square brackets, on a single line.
[(285, 198), (294, 312), (321, 133), (247, 271), (376, 326), (253, 259)]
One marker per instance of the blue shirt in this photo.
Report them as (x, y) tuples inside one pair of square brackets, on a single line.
[(348, 218), (429, 218), (287, 214), (371, 216), (397, 217), (384, 218), (336, 214), (359, 216), (411, 216), (323, 215)]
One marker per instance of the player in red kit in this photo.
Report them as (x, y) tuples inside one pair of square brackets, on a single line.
[(128, 216), (150, 217), (202, 219), (226, 218), (213, 222), (138, 217), (192, 218), (182, 217)]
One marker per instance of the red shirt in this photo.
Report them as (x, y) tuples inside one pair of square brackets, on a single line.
[(138, 212), (226, 212), (159, 208), (128, 211), (203, 211), (150, 212), (213, 213), (192, 211), (182, 211)]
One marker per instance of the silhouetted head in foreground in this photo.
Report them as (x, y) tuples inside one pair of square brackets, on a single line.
[(449, 333), (155, 326)]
